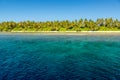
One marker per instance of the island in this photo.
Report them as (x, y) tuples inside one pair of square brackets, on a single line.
[(107, 24)]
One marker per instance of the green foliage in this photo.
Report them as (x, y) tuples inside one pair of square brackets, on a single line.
[(107, 24)]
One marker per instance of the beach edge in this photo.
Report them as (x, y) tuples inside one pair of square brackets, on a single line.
[(62, 32)]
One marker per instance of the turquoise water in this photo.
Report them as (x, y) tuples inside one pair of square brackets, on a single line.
[(42, 57)]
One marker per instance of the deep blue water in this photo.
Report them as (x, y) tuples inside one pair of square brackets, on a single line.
[(42, 57)]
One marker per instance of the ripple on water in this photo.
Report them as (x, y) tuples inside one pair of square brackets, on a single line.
[(38, 57)]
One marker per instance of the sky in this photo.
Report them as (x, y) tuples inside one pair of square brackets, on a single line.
[(50, 10)]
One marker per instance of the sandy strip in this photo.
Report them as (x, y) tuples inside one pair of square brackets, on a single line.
[(61, 33)]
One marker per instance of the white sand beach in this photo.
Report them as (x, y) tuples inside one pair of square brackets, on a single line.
[(61, 33)]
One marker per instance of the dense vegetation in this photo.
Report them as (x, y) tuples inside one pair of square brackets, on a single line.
[(107, 24)]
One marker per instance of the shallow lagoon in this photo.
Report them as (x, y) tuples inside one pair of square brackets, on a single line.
[(59, 57)]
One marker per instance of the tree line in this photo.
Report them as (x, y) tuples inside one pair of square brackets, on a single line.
[(107, 24)]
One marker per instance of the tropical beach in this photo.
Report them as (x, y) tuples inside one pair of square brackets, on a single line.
[(104, 33), (59, 40)]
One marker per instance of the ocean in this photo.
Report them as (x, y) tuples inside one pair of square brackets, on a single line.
[(59, 57)]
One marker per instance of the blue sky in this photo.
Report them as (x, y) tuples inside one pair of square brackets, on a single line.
[(44, 10)]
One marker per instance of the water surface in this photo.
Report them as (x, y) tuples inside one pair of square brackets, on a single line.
[(43, 57)]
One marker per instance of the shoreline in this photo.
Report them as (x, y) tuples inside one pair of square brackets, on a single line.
[(61, 33)]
